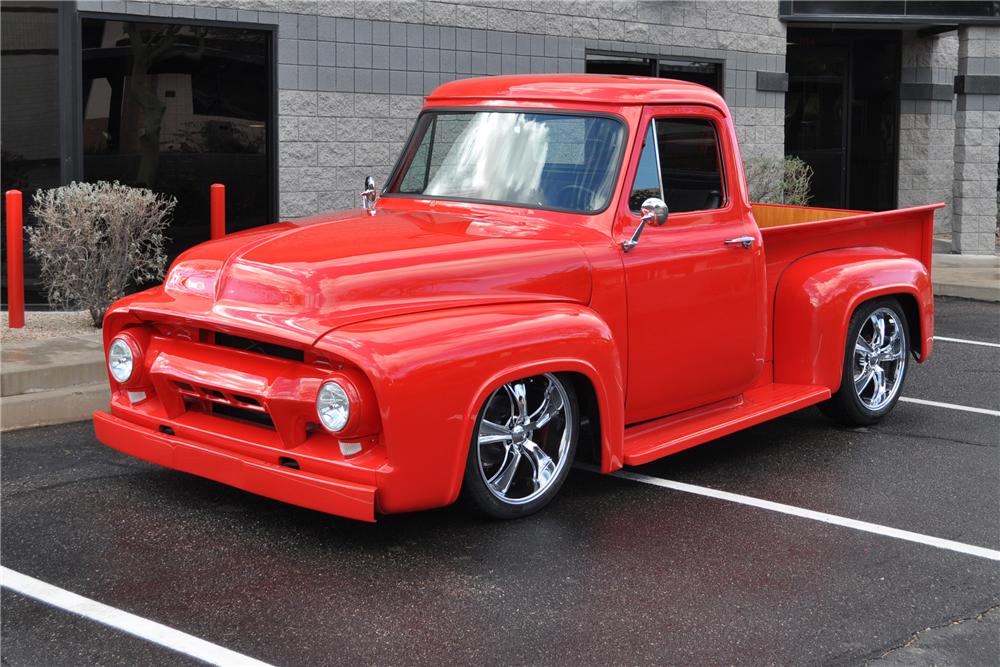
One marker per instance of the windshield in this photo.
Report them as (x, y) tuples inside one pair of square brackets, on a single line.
[(537, 160)]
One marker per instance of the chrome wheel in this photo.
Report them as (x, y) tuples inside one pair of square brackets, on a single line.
[(879, 359), (523, 438)]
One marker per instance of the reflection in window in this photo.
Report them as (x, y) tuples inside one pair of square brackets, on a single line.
[(175, 108), (533, 159)]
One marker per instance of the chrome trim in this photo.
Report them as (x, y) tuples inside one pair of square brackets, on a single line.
[(745, 241), (654, 210), (369, 196)]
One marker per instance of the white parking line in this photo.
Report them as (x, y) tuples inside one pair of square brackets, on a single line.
[(124, 621), (950, 545), (967, 342), (950, 406)]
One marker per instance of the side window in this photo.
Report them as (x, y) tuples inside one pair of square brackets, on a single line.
[(689, 164), (647, 175)]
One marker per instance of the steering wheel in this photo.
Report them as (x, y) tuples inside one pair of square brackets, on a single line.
[(583, 194)]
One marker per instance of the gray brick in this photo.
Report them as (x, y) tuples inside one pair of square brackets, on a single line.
[(363, 31), (336, 154), (326, 28), (414, 35), (397, 81), (307, 52), (307, 77), (204, 13), (523, 45), (345, 55), (363, 80), (447, 38), (345, 79), (288, 77), (397, 34), (380, 57), (307, 26), (246, 16), (155, 8), (296, 154), (288, 51), (288, 128), (380, 32), (477, 63), (397, 57), (326, 78), (415, 83), (463, 62), (447, 61), (493, 63), (363, 56), (288, 26), (537, 45), (183, 11), (414, 59), (508, 64), (494, 40), (345, 30), (326, 54), (295, 103), (380, 81), (463, 39), (138, 8), (552, 47), (431, 60), (266, 18)]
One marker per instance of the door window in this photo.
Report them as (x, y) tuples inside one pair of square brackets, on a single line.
[(680, 160)]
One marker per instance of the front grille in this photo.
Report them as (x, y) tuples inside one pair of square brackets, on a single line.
[(242, 414), (259, 347)]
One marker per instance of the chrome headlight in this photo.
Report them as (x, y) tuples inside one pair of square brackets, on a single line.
[(120, 360), (333, 406)]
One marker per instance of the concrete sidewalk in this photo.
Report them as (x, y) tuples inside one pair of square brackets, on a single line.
[(62, 379)]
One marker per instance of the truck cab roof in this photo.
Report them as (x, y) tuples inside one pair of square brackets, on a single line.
[(602, 89)]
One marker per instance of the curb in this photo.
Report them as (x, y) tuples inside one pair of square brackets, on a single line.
[(55, 406)]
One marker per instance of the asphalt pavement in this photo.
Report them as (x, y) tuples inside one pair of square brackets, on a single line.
[(615, 571)]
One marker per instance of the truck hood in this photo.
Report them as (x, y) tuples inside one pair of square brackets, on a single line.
[(302, 279)]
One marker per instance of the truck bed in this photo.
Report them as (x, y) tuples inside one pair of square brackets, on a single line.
[(792, 232)]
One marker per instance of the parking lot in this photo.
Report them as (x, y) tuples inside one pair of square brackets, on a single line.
[(619, 569)]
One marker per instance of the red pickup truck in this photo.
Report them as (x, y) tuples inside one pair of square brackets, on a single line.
[(559, 267)]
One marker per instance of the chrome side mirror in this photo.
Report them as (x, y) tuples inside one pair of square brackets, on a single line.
[(654, 210), (369, 196)]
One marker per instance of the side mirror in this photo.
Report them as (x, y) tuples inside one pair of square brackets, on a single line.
[(370, 195), (653, 210)]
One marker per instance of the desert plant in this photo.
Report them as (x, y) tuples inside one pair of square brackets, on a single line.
[(779, 181), (94, 240)]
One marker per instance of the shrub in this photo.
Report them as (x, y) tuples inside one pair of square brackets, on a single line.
[(94, 240), (779, 181)]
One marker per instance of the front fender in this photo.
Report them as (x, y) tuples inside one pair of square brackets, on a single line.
[(816, 297), (431, 373)]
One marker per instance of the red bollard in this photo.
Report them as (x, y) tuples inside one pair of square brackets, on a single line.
[(15, 261), (218, 210)]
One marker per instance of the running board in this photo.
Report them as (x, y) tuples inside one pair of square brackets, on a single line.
[(669, 435)]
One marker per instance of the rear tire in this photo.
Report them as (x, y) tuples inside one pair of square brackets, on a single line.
[(876, 358), (522, 446)]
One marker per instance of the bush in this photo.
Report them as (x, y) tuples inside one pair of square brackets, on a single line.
[(94, 240), (779, 181)]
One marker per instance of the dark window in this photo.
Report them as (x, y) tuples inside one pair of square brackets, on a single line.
[(30, 113), (689, 170), (556, 161), (176, 108), (706, 73)]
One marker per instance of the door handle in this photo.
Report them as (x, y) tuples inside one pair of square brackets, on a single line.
[(745, 241)]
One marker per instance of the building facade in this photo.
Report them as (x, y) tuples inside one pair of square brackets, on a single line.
[(292, 103)]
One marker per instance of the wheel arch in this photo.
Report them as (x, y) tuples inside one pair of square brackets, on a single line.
[(817, 296), (408, 361)]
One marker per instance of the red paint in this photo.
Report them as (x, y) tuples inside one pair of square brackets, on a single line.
[(15, 261), (218, 202), (424, 308)]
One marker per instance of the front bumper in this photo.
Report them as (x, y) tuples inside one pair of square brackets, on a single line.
[(333, 496)]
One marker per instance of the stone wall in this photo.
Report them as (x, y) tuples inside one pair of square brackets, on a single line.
[(351, 75), (927, 123)]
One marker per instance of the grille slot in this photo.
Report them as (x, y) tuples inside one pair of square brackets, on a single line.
[(242, 414), (259, 347)]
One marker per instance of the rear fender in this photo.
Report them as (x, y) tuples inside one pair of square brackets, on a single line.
[(431, 373), (817, 295)]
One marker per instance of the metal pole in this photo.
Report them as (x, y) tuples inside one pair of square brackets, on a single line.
[(218, 198), (15, 261)]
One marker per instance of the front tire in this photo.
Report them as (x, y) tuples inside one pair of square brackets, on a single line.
[(522, 446), (876, 359)]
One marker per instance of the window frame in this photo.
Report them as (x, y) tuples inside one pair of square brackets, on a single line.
[(704, 114), (410, 148)]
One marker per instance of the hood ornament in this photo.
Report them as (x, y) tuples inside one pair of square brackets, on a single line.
[(369, 196)]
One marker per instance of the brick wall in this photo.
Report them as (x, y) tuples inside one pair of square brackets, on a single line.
[(351, 75)]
